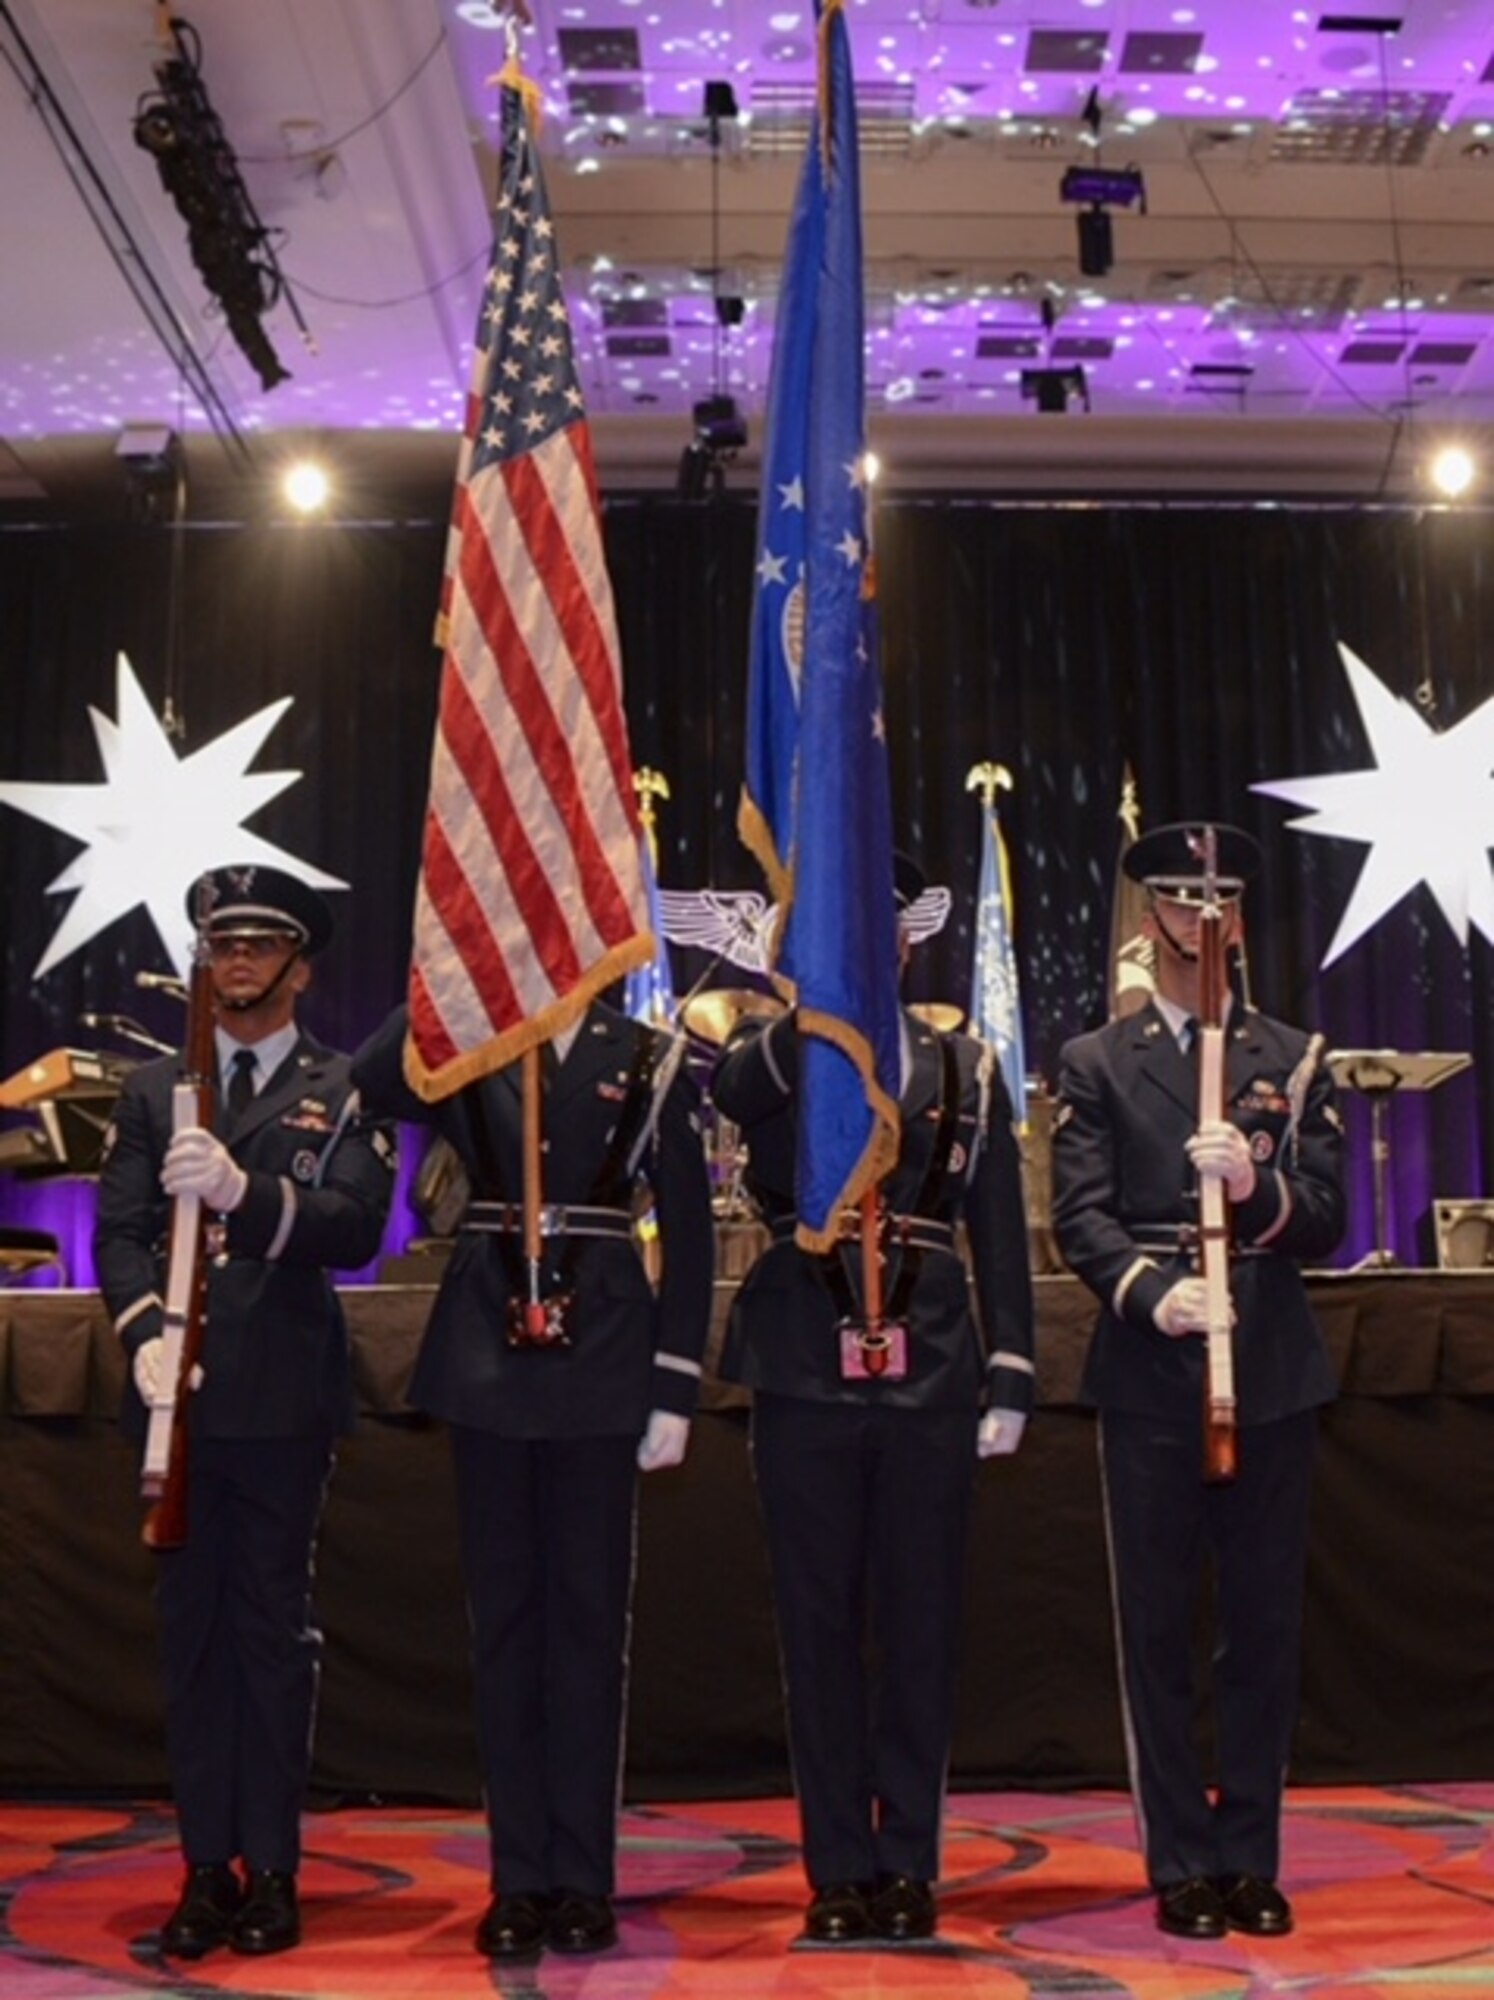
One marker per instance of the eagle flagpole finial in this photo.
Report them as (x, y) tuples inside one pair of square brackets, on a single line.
[(988, 779)]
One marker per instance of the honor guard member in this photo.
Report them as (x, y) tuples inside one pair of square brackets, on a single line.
[(1128, 1156), (548, 1433), (865, 1479), (292, 1182)]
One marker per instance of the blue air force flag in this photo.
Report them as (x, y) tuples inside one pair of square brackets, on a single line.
[(840, 947)]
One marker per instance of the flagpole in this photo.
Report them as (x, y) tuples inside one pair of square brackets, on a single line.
[(534, 1305)]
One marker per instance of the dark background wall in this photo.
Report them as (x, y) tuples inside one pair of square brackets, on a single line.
[(1197, 646)]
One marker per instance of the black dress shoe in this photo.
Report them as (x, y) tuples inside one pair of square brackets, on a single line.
[(903, 1908), (580, 1923), (1253, 1904), (270, 1916), (514, 1927), (204, 1914), (838, 1914), (1191, 1909)]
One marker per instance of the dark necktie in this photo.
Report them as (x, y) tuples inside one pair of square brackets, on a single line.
[(1189, 1035), (241, 1084)]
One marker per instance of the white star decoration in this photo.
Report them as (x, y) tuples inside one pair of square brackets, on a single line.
[(156, 822), (1425, 809)]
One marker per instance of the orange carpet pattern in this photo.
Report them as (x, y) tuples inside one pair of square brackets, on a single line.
[(1041, 1900)]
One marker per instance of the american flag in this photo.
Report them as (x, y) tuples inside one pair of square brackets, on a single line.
[(531, 896)]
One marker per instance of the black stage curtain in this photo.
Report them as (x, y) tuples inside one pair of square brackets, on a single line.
[(1398, 1685), (1197, 646)]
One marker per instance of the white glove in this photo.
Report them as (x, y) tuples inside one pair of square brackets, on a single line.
[(146, 1368), (1000, 1433), (1221, 1149), (663, 1443), (197, 1163), (1185, 1309)]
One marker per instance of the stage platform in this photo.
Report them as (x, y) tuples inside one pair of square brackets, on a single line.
[(1398, 1670)]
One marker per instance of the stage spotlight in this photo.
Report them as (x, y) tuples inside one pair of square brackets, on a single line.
[(1096, 190), (720, 433), (228, 243), (151, 455), (720, 101), (1096, 242), (1452, 471), (306, 487), (1052, 389), (719, 425)]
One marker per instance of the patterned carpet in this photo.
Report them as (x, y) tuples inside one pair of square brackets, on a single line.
[(1393, 1887)]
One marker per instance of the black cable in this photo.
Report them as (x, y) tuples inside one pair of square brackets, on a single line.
[(327, 146)]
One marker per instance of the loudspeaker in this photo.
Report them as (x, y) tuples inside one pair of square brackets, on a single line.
[(1464, 1233)]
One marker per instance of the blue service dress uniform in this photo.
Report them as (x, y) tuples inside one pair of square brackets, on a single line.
[(240, 1652), (1125, 1206), (866, 1485), (544, 1440)]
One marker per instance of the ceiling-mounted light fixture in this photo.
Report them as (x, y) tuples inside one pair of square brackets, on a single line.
[(177, 125), (1095, 190), (1053, 389), (720, 428), (1452, 471), (151, 455)]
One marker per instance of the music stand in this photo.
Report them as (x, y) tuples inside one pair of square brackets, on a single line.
[(1378, 1074)]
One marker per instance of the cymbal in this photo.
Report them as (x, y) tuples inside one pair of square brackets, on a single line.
[(712, 1015), (937, 1014)]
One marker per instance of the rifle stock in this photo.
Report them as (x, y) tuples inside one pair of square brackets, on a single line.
[(1221, 1441), (163, 1471)]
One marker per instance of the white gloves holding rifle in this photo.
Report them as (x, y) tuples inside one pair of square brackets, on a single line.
[(197, 1163), (1221, 1149), (146, 1368), (1184, 1309)]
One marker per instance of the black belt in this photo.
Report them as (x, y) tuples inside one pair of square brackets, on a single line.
[(506, 1218), (899, 1232), (1180, 1239)]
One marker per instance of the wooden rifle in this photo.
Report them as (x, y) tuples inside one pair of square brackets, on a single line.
[(163, 1471), (1221, 1441)]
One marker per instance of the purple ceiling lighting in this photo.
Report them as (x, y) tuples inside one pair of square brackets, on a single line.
[(1319, 188)]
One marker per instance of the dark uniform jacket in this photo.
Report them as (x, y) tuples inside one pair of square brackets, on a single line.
[(275, 1348), (631, 1351), (783, 1333), (1127, 1104)]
